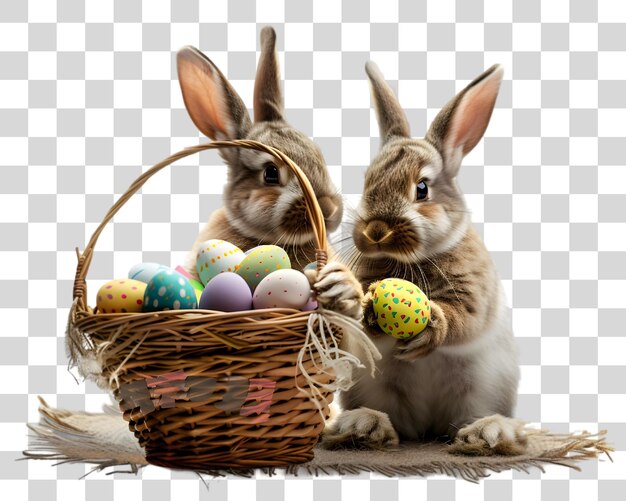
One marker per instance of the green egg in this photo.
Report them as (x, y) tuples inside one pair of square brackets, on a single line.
[(262, 261)]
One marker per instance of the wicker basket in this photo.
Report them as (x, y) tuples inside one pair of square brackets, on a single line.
[(203, 389)]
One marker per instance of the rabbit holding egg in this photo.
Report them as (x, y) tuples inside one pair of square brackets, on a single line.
[(458, 378)]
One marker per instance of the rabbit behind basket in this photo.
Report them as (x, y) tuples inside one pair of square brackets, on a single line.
[(263, 203), (459, 377)]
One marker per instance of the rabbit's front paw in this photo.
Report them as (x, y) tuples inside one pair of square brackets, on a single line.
[(369, 317), (426, 341), (361, 428), (492, 435), (337, 290)]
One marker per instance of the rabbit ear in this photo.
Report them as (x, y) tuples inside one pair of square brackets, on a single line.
[(268, 98), (392, 120), (459, 126), (213, 105)]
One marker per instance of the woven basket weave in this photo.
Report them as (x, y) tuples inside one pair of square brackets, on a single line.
[(203, 389)]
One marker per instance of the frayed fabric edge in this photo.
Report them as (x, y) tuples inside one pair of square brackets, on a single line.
[(55, 439)]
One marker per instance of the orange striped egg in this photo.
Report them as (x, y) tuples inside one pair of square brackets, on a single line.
[(215, 257)]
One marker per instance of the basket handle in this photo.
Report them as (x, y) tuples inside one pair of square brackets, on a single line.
[(312, 207)]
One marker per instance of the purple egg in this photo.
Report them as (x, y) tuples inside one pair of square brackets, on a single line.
[(226, 292), (310, 305)]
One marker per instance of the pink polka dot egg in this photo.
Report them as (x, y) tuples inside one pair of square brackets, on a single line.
[(282, 289), (121, 296)]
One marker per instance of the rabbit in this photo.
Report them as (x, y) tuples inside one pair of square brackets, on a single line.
[(263, 203), (458, 378)]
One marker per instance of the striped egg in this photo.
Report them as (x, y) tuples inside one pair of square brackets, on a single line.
[(215, 257)]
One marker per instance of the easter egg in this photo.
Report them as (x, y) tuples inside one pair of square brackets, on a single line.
[(402, 310), (282, 289), (310, 305), (261, 262), (145, 271), (215, 257), (252, 250), (197, 285), (169, 290), (226, 292), (121, 296), (311, 266)]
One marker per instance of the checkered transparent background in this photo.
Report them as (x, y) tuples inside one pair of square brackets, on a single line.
[(89, 98)]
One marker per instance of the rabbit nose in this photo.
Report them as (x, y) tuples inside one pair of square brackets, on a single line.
[(377, 232), (329, 208)]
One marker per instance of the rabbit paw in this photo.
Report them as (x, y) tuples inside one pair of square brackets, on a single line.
[(337, 289), (369, 317), (426, 341), (370, 323), (361, 428), (492, 435)]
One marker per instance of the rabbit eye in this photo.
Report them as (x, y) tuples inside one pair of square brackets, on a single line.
[(421, 192), (270, 175)]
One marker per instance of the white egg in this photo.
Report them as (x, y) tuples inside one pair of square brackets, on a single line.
[(282, 289)]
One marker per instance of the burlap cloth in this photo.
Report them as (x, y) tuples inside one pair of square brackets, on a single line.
[(60, 436)]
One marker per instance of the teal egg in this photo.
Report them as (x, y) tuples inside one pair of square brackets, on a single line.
[(169, 290)]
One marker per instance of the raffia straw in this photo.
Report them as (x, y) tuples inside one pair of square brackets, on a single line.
[(332, 358)]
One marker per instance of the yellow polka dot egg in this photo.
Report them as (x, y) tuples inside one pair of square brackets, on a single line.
[(120, 296), (402, 310), (215, 257)]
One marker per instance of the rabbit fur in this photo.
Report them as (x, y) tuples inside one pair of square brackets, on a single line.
[(254, 211), (459, 377)]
